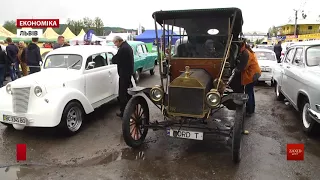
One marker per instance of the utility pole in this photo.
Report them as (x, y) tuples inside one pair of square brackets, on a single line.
[(295, 21)]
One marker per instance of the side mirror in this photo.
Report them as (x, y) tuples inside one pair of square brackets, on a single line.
[(91, 65)]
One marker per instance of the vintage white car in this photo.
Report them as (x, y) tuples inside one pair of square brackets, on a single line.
[(297, 78), (73, 82), (267, 60)]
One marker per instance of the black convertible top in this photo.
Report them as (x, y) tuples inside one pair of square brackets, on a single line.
[(161, 16)]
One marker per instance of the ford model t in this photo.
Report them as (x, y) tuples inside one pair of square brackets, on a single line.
[(196, 81)]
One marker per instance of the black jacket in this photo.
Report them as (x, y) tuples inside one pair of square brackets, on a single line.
[(124, 60), (3, 57), (12, 53), (277, 49), (33, 55)]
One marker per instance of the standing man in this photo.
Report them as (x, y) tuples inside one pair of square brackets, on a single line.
[(12, 53), (3, 63), (124, 60), (33, 56), (278, 49), (60, 42)]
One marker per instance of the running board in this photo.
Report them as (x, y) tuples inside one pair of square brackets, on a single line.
[(104, 101)]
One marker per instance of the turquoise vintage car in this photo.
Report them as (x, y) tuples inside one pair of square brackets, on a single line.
[(143, 59)]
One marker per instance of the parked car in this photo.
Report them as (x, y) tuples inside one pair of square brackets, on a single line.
[(267, 60), (143, 60), (297, 78), (73, 82)]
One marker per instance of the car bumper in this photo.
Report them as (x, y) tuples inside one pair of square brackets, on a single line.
[(314, 115), (265, 76)]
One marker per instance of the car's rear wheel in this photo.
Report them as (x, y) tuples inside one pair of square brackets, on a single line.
[(72, 118), (309, 125), (279, 95)]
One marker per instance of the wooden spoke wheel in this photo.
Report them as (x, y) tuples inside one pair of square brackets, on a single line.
[(135, 116)]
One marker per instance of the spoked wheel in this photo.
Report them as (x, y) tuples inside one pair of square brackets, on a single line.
[(135, 116), (72, 118), (238, 129)]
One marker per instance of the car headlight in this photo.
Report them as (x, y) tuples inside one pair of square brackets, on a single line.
[(213, 99), (8, 88), (156, 94), (38, 91)]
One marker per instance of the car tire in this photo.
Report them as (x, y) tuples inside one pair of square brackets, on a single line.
[(279, 95), (72, 118), (137, 76), (309, 126), (152, 72)]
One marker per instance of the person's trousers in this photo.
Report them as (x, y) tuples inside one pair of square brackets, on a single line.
[(24, 68), (124, 84), (17, 68), (2, 74), (250, 106), (13, 73), (34, 70)]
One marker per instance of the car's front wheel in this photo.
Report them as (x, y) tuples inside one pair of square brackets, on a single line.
[(310, 126), (72, 118)]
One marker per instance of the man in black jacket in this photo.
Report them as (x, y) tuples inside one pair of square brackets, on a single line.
[(12, 54), (3, 64), (277, 50), (33, 56), (124, 60)]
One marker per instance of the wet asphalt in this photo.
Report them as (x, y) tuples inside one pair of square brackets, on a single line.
[(98, 152)]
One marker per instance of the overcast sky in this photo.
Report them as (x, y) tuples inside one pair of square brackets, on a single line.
[(258, 15)]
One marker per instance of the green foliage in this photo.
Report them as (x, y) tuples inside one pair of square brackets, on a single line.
[(258, 41), (273, 31), (10, 26)]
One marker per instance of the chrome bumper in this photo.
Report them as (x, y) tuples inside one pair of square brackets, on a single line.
[(314, 115)]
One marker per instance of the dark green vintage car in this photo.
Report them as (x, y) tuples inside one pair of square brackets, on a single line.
[(143, 59)]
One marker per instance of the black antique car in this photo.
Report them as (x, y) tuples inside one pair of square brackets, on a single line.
[(196, 81)]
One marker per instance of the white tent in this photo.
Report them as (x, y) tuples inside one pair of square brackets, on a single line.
[(124, 36), (80, 40)]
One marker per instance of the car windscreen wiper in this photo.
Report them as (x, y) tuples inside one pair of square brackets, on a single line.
[(72, 65)]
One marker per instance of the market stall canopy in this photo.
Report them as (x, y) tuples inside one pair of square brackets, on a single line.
[(6, 33), (67, 34), (149, 36), (124, 36), (50, 34), (82, 33), (80, 40)]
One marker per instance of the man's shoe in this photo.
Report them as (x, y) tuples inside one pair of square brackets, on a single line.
[(119, 114)]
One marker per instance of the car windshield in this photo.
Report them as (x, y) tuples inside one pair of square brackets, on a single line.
[(265, 56), (313, 56), (71, 61)]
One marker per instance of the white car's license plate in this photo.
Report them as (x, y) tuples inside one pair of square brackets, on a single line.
[(14, 120), (185, 134)]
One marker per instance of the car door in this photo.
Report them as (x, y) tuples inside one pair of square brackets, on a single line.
[(149, 62), (286, 65), (293, 74), (97, 79), (114, 77), (140, 58)]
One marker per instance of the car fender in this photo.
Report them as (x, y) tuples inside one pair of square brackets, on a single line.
[(61, 97)]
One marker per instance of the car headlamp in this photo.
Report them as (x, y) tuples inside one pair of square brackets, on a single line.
[(156, 94), (38, 91), (8, 88), (213, 99)]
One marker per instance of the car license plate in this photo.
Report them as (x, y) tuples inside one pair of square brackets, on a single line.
[(185, 134), (14, 120)]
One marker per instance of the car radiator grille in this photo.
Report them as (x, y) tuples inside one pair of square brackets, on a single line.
[(20, 99), (187, 101)]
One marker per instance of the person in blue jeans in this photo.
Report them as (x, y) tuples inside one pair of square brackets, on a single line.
[(12, 54), (3, 65)]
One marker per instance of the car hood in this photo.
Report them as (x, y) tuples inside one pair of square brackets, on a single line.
[(49, 78)]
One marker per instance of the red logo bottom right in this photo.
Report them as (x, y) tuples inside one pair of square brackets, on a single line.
[(295, 152)]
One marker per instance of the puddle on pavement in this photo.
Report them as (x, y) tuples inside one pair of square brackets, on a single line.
[(14, 172)]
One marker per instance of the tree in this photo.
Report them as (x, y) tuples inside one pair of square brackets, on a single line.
[(98, 25), (259, 41), (88, 23), (10, 26), (273, 31)]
